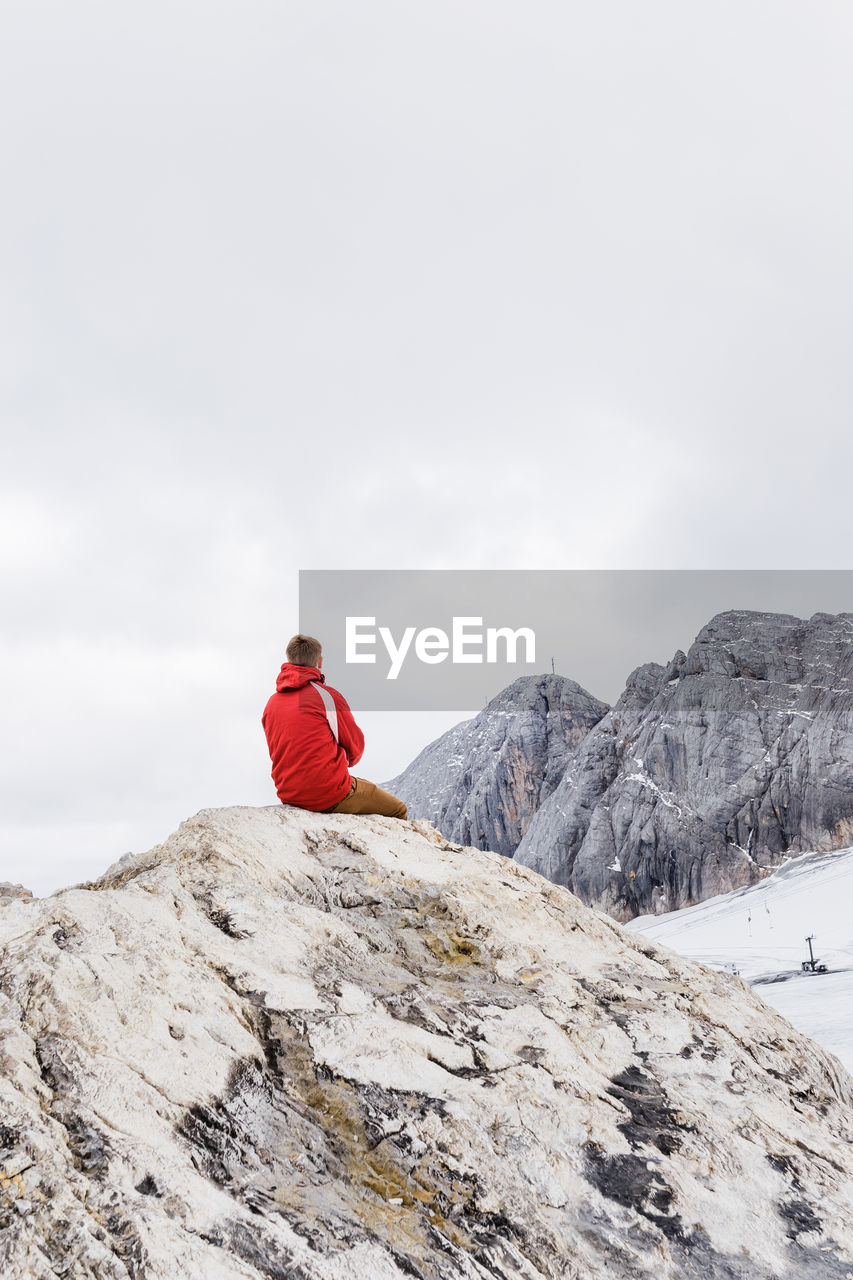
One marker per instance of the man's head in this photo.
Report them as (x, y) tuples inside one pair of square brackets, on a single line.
[(305, 651)]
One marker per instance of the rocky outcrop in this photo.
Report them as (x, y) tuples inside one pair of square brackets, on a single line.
[(10, 891), (320, 1047), (481, 782), (708, 772)]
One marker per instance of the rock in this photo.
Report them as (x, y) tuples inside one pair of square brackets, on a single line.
[(10, 892), (709, 772), (482, 781), (326, 1047)]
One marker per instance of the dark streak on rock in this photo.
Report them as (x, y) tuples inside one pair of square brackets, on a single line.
[(800, 1217), (653, 1120), (267, 1256), (9, 1137), (406, 1264), (708, 1051), (127, 1243), (224, 921), (148, 1187), (532, 1054), (87, 1146), (628, 1180), (785, 1165), (53, 1070)]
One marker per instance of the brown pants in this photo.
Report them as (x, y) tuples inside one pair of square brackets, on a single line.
[(366, 797)]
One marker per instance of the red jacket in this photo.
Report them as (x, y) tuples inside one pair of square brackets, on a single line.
[(309, 768)]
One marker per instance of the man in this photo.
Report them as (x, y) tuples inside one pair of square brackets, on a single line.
[(313, 739)]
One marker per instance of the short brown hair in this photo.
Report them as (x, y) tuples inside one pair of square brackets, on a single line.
[(304, 651)]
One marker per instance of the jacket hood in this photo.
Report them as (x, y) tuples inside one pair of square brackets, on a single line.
[(293, 677)]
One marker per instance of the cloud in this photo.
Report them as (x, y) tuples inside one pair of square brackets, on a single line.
[(379, 286), (35, 539)]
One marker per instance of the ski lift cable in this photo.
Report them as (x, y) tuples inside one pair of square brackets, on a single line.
[(778, 896), (727, 951)]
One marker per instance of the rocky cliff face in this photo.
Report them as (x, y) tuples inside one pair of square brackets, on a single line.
[(481, 782), (319, 1047), (709, 771)]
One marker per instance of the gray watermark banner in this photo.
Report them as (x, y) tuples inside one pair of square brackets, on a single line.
[(449, 640)]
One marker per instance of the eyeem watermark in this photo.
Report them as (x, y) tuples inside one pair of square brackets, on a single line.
[(468, 641), (453, 639)]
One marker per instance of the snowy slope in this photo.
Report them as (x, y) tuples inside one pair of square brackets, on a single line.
[(762, 930)]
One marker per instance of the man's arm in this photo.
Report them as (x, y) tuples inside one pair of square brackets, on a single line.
[(350, 736)]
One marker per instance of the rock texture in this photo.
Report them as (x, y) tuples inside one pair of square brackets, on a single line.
[(481, 782), (319, 1047), (710, 771), (9, 891)]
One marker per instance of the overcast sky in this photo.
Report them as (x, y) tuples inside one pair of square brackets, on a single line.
[(385, 285)]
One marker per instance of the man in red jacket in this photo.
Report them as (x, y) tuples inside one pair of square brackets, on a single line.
[(313, 738)]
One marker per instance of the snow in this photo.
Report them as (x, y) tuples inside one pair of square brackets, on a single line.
[(762, 931), (663, 796)]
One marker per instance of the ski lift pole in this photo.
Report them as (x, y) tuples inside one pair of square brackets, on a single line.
[(811, 965)]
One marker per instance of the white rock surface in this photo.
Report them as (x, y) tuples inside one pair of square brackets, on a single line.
[(321, 1047)]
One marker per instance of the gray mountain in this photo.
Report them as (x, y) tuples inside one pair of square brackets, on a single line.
[(300, 1046), (481, 782), (710, 771)]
